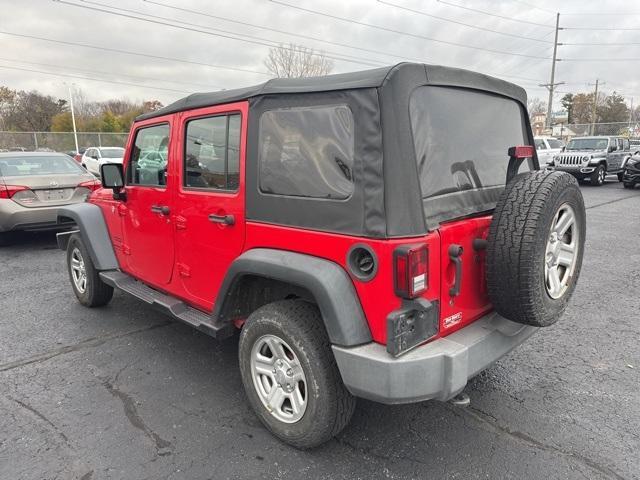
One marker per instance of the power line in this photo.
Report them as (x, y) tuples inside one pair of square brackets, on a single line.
[(607, 29), (483, 12), (598, 59), (535, 6), (128, 52), (399, 32), (308, 37), (109, 73), (600, 44), (92, 79), (198, 29), (419, 12)]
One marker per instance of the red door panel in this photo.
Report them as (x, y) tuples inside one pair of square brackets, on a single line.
[(472, 301), (209, 204), (148, 244)]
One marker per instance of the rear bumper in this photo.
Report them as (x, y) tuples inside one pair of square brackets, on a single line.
[(15, 217), (437, 370)]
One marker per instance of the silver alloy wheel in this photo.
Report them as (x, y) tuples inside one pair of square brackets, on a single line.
[(562, 251), (278, 378), (78, 271), (601, 175)]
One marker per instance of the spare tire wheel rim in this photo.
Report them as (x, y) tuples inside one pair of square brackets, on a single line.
[(279, 379), (561, 252)]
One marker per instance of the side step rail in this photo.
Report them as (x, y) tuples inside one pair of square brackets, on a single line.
[(167, 304)]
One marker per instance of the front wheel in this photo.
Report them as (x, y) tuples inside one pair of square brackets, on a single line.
[(290, 375), (598, 176), (89, 288)]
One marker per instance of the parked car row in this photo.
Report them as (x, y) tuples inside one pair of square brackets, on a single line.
[(592, 158)]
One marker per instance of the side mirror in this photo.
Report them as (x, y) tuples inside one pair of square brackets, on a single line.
[(112, 176), (611, 149), (563, 149)]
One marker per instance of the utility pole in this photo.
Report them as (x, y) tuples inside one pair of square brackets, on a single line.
[(594, 109), (73, 119), (551, 85)]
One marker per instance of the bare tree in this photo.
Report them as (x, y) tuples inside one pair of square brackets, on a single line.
[(536, 107), (296, 61)]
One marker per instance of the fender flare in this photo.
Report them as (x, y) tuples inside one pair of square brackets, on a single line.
[(93, 229), (329, 284)]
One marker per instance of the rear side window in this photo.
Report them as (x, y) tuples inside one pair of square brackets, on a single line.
[(212, 153), (307, 152), (149, 157), (462, 137)]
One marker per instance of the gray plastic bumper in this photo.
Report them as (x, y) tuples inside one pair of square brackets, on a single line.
[(437, 370)]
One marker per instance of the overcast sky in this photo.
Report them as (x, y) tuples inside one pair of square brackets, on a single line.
[(144, 78)]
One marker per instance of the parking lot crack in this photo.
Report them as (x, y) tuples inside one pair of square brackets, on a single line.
[(610, 202), (163, 447), (44, 418), (88, 343), (490, 423)]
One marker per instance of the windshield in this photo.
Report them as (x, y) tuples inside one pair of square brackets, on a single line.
[(588, 144), (112, 152), (553, 143), (39, 165), (461, 139)]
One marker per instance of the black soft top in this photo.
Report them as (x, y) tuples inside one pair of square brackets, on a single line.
[(375, 78), (387, 199)]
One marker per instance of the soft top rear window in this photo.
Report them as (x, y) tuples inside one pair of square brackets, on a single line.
[(461, 138)]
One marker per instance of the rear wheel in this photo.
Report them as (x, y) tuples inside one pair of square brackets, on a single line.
[(535, 247), (85, 279), (290, 375), (598, 176), (629, 185)]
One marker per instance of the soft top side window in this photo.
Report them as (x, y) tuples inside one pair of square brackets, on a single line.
[(149, 157), (307, 152)]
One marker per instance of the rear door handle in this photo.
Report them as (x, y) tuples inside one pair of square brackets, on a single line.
[(455, 254), (224, 219), (163, 209)]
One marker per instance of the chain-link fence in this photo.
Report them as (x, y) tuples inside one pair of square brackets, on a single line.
[(569, 130), (59, 141)]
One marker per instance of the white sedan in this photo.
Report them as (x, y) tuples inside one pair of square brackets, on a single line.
[(94, 157)]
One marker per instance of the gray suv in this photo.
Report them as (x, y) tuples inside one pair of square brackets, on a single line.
[(594, 158)]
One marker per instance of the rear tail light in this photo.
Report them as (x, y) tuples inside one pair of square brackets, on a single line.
[(521, 151), (90, 184), (8, 191), (410, 266)]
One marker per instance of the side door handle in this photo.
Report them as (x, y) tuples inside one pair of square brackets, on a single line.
[(224, 219), (163, 209)]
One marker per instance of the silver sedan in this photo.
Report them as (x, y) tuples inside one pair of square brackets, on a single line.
[(32, 187)]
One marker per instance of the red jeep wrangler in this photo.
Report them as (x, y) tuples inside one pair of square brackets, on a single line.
[(355, 228)]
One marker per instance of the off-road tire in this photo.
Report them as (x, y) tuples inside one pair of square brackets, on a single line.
[(330, 406), (97, 293), (517, 242), (629, 185), (595, 177)]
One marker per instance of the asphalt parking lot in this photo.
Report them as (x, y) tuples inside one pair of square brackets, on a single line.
[(123, 392)]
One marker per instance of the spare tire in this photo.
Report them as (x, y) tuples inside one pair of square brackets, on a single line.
[(535, 247)]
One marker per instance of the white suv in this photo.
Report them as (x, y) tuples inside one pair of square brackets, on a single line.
[(96, 156), (547, 148)]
